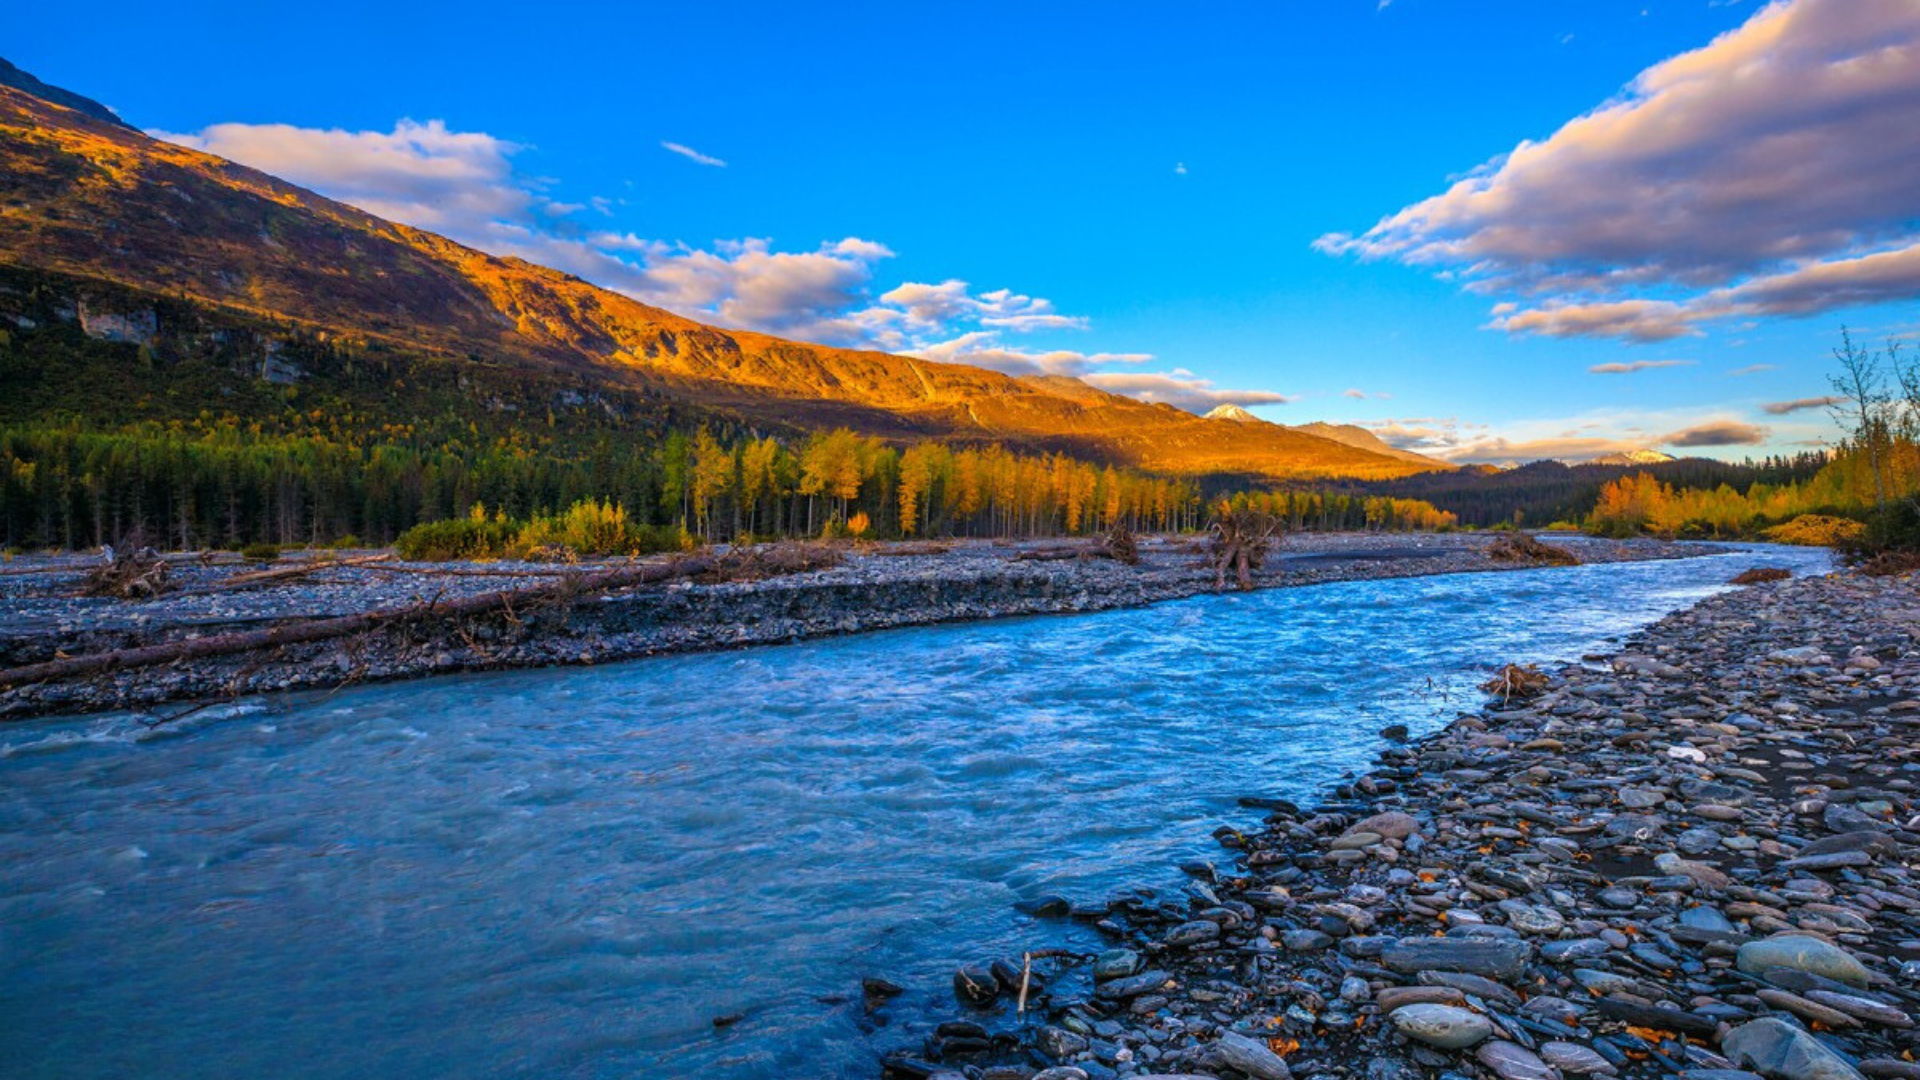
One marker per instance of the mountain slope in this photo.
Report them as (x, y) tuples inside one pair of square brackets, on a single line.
[(1359, 437), (82, 194)]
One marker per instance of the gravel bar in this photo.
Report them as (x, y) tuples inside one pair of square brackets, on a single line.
[(1693, 858), (42, 617)]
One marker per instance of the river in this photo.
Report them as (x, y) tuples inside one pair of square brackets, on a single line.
[(572, 872)]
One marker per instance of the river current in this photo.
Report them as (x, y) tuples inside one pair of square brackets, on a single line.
[(572, 872)]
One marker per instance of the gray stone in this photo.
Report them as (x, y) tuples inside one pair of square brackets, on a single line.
[(1444, 1026), (1799, 953), (1392, 825), (1116, 964), (1252, 1057), (1511, 1061), (1576, 1059), (1774, 1048), (1503, 960), (1188, 934), (1059, 1043)]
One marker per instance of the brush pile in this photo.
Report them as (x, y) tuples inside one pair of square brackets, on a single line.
[(1122, 546), (1891, 564), (1759, 574), (134, 572), (1522, 548)]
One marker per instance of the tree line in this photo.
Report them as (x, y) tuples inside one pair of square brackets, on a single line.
[(232, 484)]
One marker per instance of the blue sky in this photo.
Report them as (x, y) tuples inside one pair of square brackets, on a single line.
[(1176, 200)]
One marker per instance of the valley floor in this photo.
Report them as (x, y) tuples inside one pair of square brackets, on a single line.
[(875, 587)]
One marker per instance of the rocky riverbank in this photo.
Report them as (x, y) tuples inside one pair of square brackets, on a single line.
[(41, 617), (1694, 858)]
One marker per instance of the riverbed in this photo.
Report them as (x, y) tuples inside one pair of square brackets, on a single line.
[(574, 872)]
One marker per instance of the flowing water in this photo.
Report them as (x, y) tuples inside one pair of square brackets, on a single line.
[(570, 873)]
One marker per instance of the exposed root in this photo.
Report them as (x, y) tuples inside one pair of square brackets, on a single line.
[(1517, 681), (1121, 545), (1239, 541), (135, 572)]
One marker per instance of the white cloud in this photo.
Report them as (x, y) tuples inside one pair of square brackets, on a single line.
[(691, 154), (1770, 172), (1182, 391), (1752, 369), (464, 185), (1583, 437), (424, 175), (981, 348)]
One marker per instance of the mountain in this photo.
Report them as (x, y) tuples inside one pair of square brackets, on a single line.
[(1632, 457), (1360, 438), (20, 80), (88, 199), (1231, 412), (1345, 434)]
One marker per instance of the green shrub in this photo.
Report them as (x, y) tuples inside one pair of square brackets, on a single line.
[(457, 538), (590, 527), (260, 552)]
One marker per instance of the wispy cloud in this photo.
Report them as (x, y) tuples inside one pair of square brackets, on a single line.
[(1752, 369), (1636, 365), (1768, 173), (1783, 408), (693, 155)]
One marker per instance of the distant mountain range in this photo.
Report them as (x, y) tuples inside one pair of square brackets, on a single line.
[(85, 196), (1346, 434), (1633, 457)]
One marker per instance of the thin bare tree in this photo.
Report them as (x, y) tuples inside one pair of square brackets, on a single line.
[(1864, 408)]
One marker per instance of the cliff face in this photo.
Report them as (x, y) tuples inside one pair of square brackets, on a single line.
[(83, 194)]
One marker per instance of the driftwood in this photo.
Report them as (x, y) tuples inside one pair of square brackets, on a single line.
[(911, 547), (310, 630), (281, 574), (773, 560), (1118, 545), (1061, 553), (470, 571)]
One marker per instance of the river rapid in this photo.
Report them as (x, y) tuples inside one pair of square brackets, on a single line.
[(572, 872)]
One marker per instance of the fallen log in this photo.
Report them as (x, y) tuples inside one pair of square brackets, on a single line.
[(257, 578), (474, 571), (311, 630), (1063, 553)]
